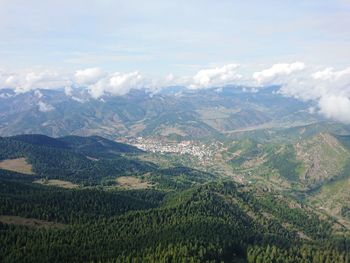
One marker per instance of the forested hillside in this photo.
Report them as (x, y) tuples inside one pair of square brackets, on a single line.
[(214, 223), (76, 199), (69, 158)]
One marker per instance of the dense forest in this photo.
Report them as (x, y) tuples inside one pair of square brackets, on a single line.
[(187, 217), (210, 223), (57, 160)]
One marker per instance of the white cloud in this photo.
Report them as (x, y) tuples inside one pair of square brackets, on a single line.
[(117, 84), (155, 85), (329, 88), (88, 76), (336, 82), (75, 94), (335, 87), (38, 94), (27, 81), (121, 84), (95, 80), (5, 95), (44, 107), (99, 83), (302, 87), (318, 84), (277, 73), (218, 76), (79, 99), (68, 90), (335, 107), (98, 89), (332, 75)]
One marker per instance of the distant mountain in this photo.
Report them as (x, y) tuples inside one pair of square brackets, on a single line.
[(173, 111)]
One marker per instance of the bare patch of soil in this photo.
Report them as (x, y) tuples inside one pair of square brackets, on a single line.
[(58, 183), (131, 182), (19, 165)]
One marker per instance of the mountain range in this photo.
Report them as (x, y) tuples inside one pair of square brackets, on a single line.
[(172, 111)]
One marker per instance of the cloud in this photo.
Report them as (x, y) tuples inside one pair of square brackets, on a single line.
[(219, 76), (335, 107), (121, 84), (88, 76), (334, 101), (277, 73), (44, 107), (97, 82), (329, 88), (330, 76), (318, 84), (68, 90), (38, 94), (117, 84), (27, 81)]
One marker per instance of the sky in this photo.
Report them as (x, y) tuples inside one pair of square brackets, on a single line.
[(114, 46), (178, 36)]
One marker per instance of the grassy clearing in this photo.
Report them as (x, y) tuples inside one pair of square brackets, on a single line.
[(131, 182), (19, 165), (30, 222), (58, 183)]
